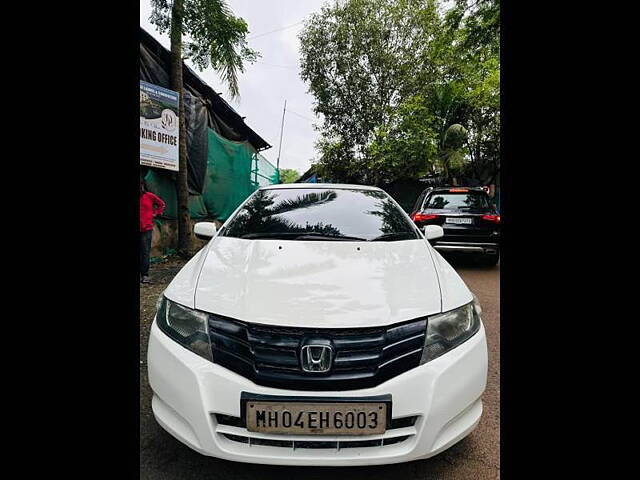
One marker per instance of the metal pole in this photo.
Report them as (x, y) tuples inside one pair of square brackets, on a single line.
[(281, 130)]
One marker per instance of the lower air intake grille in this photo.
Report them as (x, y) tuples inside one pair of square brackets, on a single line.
[(335, 445)]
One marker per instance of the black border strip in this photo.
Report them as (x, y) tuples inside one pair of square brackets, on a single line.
[(320, 330)]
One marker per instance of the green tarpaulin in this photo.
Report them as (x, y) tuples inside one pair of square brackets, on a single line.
[(234, 171)]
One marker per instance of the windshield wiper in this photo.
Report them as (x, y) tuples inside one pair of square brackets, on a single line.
[(300, 236), (394, 236), (270, 235), (323, 236)]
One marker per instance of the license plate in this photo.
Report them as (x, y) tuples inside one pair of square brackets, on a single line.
[(297, 418), (466, 221)]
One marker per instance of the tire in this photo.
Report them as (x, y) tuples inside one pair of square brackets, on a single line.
[(489, 260)]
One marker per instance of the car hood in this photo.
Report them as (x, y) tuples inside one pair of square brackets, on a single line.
[(311, 283)]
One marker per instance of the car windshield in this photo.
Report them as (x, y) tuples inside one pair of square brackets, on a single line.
[(457, 200), (321, 214)]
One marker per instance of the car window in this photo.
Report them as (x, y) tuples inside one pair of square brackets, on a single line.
[(418, 203), (450, 200), (289, 213)]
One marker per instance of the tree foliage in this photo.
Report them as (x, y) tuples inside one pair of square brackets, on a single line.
[(216, 37), (289, 175), (391, 77), (261, 214)]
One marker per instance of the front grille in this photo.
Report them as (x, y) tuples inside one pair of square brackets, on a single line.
[(270, 356), (240, 422), (335, 445)]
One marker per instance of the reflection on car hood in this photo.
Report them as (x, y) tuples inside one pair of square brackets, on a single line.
[(313, 283)]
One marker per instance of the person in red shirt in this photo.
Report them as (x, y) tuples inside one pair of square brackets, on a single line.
[(150, 206)]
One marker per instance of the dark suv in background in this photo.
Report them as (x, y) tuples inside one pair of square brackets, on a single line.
[(470, 220)]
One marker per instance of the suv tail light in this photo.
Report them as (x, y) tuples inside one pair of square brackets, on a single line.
[(491, 218), (421, 217)]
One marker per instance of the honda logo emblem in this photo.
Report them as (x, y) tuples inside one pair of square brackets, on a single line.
[(316, 358)]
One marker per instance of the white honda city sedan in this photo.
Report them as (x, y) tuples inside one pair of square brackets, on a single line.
[(318, 327)]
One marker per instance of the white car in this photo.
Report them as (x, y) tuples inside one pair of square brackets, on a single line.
[(318, 327)]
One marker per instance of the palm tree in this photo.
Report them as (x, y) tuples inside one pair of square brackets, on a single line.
[(306, 200), (217, 39), (262, 214)]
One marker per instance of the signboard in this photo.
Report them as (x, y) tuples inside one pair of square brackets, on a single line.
[(159, 142)]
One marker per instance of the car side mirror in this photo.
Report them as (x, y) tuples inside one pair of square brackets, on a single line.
[(204, 230), (432, 232)]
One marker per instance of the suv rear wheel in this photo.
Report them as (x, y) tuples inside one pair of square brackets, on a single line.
[(489, 259)]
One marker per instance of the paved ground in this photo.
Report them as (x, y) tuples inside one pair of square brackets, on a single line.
[(477, 456)]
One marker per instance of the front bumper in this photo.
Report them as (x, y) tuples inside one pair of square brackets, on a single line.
[(444, 394)]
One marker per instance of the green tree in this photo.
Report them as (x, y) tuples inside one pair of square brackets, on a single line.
[(454, 139), (289, 175), (406, 146), (473, 29), (391, 78), (216, 38), (481, 20), (356, 56)]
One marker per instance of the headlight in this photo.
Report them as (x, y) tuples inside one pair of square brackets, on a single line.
[(448, 330), (190, 328), (476, 304)]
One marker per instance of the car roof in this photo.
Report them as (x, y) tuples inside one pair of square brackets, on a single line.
[(281, 186)]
